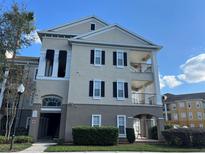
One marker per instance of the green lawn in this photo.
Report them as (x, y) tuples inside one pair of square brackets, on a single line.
[(17, 147), (122, 147)]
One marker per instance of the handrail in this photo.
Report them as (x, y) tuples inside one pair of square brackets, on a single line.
[(143, 98), (141, 67)]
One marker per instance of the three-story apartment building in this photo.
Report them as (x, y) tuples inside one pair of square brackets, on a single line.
[(96, 74)]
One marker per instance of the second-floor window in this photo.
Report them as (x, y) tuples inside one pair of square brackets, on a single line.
[(190, 115), (97, 57), (120, 90), (62, 63), (199, 115), (97, 89)]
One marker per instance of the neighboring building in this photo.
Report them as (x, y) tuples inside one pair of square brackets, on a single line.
[(92, 73), (30, 67), (185, 110)]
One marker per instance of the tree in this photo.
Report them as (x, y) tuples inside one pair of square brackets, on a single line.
[(16, 25)]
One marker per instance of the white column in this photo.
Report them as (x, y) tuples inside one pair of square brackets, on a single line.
[(55, 64), (156, 78), (42, 64), (165, 111), (68, 62)]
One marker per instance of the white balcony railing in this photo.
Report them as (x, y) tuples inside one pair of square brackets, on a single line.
[(143, 98), (141, 67)]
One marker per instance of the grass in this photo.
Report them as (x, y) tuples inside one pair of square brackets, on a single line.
[(123, 147), (16, 147)]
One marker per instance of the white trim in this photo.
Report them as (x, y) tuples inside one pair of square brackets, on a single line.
[(50, 109), (51, 78), (125, 125), (77, 22), (92, 120), (120, 52), (96, 97), (100, 50), (121, 98)]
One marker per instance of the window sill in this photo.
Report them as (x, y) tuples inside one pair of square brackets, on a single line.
[(120, 99), (96, 98), (98, 65), (120, 67), (122, 135)]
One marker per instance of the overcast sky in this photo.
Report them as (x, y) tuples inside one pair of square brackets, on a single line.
[(177, 25)]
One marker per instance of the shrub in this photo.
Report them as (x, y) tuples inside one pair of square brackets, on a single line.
[(198, 137), (185, 137), (23, 139), (95, 135), (130, 135), (3, 140), (153, 133), (168, 126)]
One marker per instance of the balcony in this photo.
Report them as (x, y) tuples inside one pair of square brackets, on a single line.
[(141, 67), (143, 98)]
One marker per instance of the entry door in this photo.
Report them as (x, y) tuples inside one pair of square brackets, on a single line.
[(43, 127), (137, 128)]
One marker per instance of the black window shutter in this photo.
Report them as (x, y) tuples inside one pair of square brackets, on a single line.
[(92, 56), (114, 89), (125, 59), (91, 88), (103, 57), (103, 89), (114, 58), (126, 89)]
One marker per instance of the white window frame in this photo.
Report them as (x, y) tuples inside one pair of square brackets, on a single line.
[(174, 107), (190, 113), (175, 116), (94, 85), (125, 125), (95, 51), (183, 115), (192, 125), (201, 125), (198, 103), (199, 114), (181, 105), (120, 52), (92, 121), (123, 82), (189, 103)]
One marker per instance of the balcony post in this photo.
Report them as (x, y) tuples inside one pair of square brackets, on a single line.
[(42, 64), (158, 98)]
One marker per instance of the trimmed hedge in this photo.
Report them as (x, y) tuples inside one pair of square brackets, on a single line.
[(153, 133), (130, 135), (85, 135), (17, 139), (185, 137)]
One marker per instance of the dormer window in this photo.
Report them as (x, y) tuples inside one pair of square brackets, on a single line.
[(92, 27)]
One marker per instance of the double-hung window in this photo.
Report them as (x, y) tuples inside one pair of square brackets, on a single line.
[(96, 120), (199, 115), (120, 90), (120, 59), (98, 57), (121, 124), (97, 89)]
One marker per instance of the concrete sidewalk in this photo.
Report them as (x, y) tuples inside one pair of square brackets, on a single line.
[(37, 148)]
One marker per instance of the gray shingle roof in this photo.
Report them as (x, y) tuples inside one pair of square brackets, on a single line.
[(172, 97)]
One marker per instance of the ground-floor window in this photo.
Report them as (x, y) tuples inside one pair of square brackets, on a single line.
[(96, 120), (121, 124)]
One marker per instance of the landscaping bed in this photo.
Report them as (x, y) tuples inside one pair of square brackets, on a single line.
[(16, 147), (123, 147)]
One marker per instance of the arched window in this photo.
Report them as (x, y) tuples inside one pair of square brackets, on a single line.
[(52, 101)]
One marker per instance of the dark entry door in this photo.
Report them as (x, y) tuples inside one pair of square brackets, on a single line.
[(49, 125)]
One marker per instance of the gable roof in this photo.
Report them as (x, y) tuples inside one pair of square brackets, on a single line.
[(78, 22), (85, 36)]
